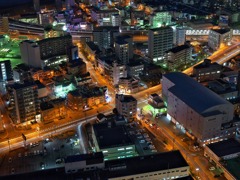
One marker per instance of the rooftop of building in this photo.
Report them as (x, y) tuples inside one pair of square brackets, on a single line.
[(232, 165), (125, 98), (93, 46), (86, 91), (106, 28), (160, 28), (226, 147), (191, 92), (39, 84), (207, 63), (178, 48), (144, 164), (76, 63), (45, 106), (109, 136), (121, 41), (221, 31), (221, 86), (96, 9), (21, 67), (94, 157), (17, 86), (135, 63)]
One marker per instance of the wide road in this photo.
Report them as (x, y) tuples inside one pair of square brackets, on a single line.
[(221, 56)]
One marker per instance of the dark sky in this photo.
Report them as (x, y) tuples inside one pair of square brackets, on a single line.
[(9, 3)]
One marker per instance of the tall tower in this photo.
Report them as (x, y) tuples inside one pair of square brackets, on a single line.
[(36, 5)]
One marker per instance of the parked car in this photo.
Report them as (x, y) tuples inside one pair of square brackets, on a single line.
[(212, 168)]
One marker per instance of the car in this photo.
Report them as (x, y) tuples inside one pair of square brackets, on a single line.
[(12, 171), (59, 161), (212, 168), (151, 125), (198, 178)]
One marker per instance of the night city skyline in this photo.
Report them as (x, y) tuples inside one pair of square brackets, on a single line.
[(120, 89)]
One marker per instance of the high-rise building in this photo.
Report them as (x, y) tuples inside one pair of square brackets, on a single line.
[(24, 102), (124, 48), (6, 72), (126, 106), (103, 36), (36, 5), (159, 41)]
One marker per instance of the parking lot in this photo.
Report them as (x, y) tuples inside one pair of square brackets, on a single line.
[(145, 141), (36, 156)]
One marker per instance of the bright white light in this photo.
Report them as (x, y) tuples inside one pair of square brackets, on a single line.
[(64, 28)]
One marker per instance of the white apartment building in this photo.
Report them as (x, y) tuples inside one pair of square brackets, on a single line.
[(178, 57), (159, 41), (202, 113), (219, 37)]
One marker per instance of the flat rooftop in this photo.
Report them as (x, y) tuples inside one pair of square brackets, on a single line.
[(232, 165), (144, 164), (93, 157), (226, 147), (178, 48), (109, 137), (125, 98)]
